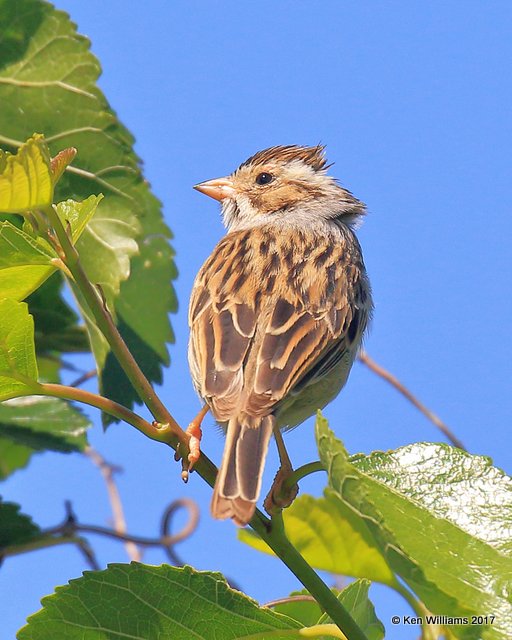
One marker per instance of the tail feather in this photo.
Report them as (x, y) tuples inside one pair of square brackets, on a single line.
[(238, 483)]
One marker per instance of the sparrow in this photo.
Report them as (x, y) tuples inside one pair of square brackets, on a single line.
[(278, 311)]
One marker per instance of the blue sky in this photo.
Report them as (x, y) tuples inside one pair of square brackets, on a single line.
[(412, 100)]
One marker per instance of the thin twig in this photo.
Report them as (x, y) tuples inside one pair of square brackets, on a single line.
[(107, 471), (88, 553), (70, 526), (160, 433), (393, 381), (301, 598), (84, 377), (44, 542), (301, 472), (186, 532), (67, 531)]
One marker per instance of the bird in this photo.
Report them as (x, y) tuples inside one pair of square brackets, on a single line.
[(278, 310)]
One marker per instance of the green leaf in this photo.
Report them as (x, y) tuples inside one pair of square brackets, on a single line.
[(56, 324), (147, 602), (49, 369), (78, 214), (140, 325), (12, 456), (155, 271), (24, 263), (15, 527), (330, 537), (106, 243), (441, 517), (355, 599), (46, 67), (43, 423), (18, 367), (455, 480), (26, 177)]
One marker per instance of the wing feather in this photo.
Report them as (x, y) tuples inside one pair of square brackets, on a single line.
[(257, 335)]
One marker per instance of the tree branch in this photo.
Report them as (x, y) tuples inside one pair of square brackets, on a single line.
[(394, 382), (44, 542), (70, 257), (161, 433), (274, 535), (107, 471), (67, 531), (88, 375), (186, 532)]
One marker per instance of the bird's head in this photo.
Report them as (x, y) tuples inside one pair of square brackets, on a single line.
[(285, 182)]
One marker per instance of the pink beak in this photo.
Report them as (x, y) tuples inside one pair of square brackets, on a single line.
[(218, 189)]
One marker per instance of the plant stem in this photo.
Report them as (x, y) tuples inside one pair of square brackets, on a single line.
[(161, 434), (289, 600), (395, 382), (38, 543), (302, 472), (107, 326), (272, 532), (416, 605)]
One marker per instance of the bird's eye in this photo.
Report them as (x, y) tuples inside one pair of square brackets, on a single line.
[(264, 178)]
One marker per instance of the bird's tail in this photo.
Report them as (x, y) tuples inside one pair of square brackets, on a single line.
[(238, 483)]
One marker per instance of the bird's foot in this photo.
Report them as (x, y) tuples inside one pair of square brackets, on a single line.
[(194, 444), (282, 493)]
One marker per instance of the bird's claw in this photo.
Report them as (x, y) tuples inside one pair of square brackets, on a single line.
[(194, 450), (280, 495)]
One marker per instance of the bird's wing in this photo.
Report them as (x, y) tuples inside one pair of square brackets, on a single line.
[(269, 311), (222, 325)]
